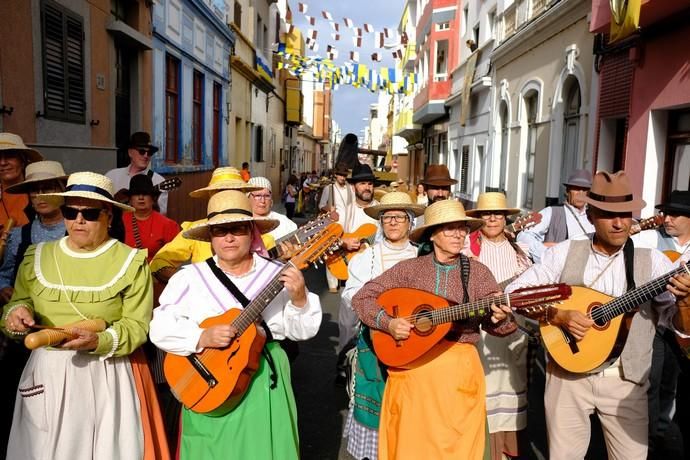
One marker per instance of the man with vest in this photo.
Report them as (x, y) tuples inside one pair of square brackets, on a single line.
[(674, 240), (559, 223), (607, 262), (140, 151)]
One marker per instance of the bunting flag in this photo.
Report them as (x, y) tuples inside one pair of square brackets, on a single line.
[(625, 18), (357, 31), (357, 41), (397, 54), (348, 22), (368, 28), (379, 40), (386, 32), (336, 37), (335, 26), (326, 15), (302, 8), (312, 34), (354, 56), (376, 57), (310, 19), (404, 38)]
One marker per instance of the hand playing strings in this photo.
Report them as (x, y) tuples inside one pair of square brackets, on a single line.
[(217, 336), (399, 328)]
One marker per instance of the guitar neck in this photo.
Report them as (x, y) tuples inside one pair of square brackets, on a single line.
[(632, 299), (252, 312), (476, 309)]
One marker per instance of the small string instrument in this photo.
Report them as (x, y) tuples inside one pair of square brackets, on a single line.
[(215, 380), (337, 261), (524, 222), (651, 223), (51, 336)]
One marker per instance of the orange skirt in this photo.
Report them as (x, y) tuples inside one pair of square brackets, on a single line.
[(435, 409)]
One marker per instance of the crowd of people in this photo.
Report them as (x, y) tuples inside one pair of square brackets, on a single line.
[(101, 286)]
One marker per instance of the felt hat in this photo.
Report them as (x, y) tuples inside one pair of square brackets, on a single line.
[(361, 173), (141, 140), (441, 213), (394, 200), (88, 185), (579, 178), (678, 203), (9, 141), (141, 184), (492, 202), (227, 207), (38, 172), (613, 192), (439, 176), (341, 169), (225, 178)]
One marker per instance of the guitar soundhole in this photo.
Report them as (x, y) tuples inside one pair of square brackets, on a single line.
[(601, 323), (423, 323)]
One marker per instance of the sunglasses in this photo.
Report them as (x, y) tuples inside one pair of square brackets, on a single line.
[(146, 152), (234, 230), (90, 214)]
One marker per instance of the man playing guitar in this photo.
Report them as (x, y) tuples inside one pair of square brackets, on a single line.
[(607, 262)]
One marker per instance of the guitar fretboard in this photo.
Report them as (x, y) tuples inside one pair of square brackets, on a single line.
[(476, 309), (634, 298)]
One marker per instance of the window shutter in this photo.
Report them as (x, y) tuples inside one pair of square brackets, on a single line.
[(75, 68)]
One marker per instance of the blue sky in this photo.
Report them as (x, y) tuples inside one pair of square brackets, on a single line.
[(351, 104)]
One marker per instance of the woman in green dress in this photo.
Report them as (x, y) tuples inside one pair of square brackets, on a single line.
[(79, 399)]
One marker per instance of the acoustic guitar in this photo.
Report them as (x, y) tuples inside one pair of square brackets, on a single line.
[(606, 339), (432, 316), (337, 261), (167, 185), (215, 380), (524, 222), (651, 223)]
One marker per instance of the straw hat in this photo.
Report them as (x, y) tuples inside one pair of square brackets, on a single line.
[(261, 182), (613, 192), (40, 171), (89, 185), (439, 176), (394, 200), (225, 178), (9, 141), (444, 212), (380, 192), (492, 202), (225, 207)]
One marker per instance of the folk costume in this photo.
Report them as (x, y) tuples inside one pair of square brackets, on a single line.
[(70, 404), (361, 426), (264, 424), (436, 407), (504, 359), (616, 391), (13, 205)]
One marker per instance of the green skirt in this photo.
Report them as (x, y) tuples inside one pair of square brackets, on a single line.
[(262, 426)]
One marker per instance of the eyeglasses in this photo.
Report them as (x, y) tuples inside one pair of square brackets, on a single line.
[(146, 152), (235, 230), (495, 215), (261, 196), (399, 218), (90, 214), (453, 230)]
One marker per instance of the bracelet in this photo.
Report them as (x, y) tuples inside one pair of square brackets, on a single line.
[(379, 315), (7, 314)]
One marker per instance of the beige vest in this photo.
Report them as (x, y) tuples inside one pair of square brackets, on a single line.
[(636, 357)]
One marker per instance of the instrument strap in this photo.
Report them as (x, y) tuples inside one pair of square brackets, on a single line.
[(241, 298), (629, 259), (465, 277), (137, 235), (566, 206)]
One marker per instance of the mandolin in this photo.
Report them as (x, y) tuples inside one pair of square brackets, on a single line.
[(215, 380), (337, 261), (524, 222), (651, 223), (606, 339), (432, 316), (300, 235)]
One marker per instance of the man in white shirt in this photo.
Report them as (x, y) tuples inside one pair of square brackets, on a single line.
[(362, 181), (262, 202), (560, 223), (140, 152), (609, 263)]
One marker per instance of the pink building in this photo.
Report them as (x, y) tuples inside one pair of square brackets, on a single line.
[(643, 111)]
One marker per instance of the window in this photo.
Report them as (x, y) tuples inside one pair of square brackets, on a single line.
[(465, 20), (172, 108), (259, 39), (63, 64), (443, 26), (197, 117), (217, 96), (441, 60), (259, 143), (465, 169), (491, 24), (237, 17), (531, 152), (677, 163), (475, 34)]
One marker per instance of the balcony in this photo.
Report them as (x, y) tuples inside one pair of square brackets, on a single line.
[(405, 127)]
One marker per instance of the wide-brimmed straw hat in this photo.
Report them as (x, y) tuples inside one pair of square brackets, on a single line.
[(9, 141), (88, 185), (36, 173), (441, 213), (380, 192), (227, 207), (492, 202), (579, 178), (678, 203), (394, 200), (612, 192), (439, 176), (225, 178)]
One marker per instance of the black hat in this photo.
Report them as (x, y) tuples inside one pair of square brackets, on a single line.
[(341, 169), (677, 203), (141, 184), (141, 140), (361, 173)]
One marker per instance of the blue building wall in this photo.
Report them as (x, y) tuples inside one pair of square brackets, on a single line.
[(196, 35)]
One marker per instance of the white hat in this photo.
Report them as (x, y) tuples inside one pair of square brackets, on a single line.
[(223, 178), (261, 182), (9, 141), (444, 212), (40, 171), (89, 185)]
